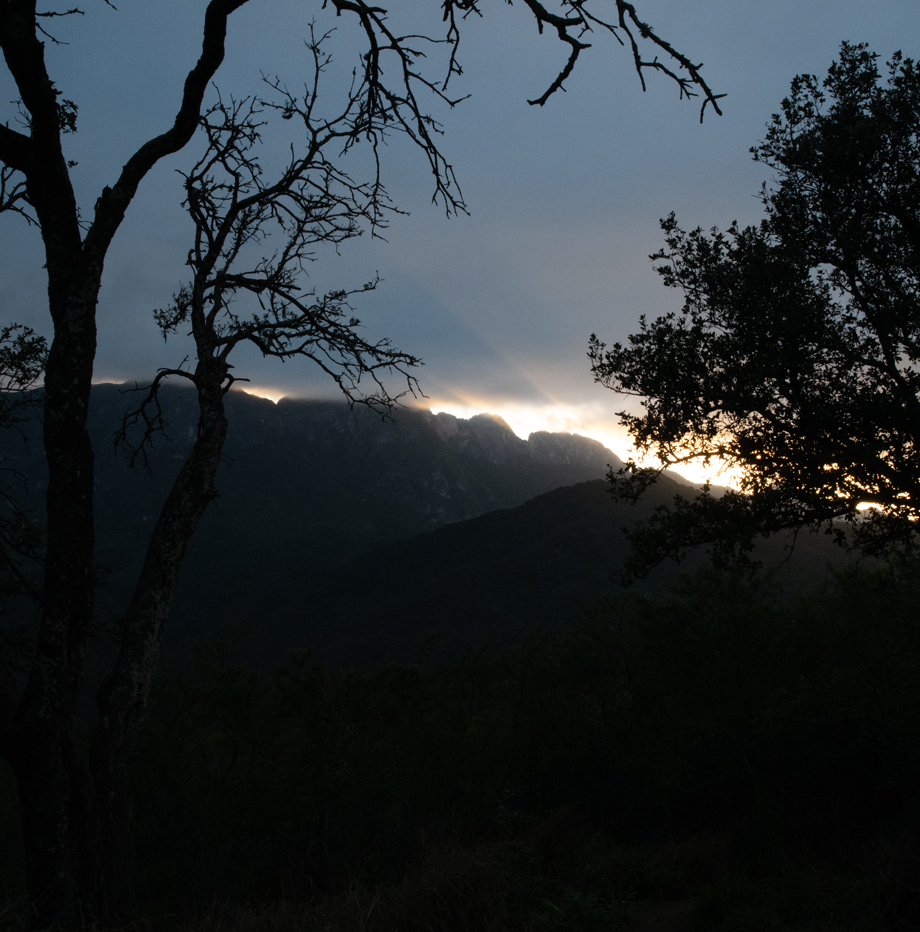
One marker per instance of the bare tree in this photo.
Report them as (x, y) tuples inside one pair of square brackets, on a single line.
[(75, 807)]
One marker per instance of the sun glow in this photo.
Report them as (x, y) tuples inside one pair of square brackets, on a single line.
[(589, 420), (274, 395)]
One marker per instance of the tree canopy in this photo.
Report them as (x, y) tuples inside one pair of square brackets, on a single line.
[(794, 360)]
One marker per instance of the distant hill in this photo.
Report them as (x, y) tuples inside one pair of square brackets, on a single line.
[(494, 578), (305, 486), (365, 538)]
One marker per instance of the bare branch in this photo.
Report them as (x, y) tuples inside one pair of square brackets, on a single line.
[(238, 293), (578, 21), (114, 201), (148, 415), (50, 15), (627, 15), (13, 194), (15, 149)]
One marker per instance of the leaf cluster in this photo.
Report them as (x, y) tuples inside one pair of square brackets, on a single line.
[(22, 362), (794, 360)]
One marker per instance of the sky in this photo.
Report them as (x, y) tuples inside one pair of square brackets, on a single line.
[(564, 200)]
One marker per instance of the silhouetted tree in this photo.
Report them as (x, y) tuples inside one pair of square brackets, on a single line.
[(22, 361), (795, 358), (75, 807)]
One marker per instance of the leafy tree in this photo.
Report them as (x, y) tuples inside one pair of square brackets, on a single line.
[(795, 358), (76, 806)]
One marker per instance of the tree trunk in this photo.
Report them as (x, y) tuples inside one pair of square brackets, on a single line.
[(76, 828), (123, 696), (55, 787), (76, 811), (56, 798)]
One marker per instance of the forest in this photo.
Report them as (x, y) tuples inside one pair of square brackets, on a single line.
[(719, 759)]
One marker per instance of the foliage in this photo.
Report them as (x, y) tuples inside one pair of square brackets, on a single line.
[(22, 360), (794, 361), (749, 761)]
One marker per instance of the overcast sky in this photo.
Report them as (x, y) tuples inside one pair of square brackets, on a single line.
[(564, 200)]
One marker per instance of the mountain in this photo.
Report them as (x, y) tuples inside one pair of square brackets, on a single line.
[(305, 486), (366, 538), (491, 578), (494, 578)]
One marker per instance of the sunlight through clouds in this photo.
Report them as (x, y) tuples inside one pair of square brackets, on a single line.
[(591, 419), (594, 419), (271, 393)]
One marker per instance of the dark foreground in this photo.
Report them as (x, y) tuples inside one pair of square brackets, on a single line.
[(718, 762)]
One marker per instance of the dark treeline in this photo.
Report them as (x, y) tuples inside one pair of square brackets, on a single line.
[(720, 760)]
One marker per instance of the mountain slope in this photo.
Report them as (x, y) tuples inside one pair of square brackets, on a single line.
[(496, 577), (304, 487)]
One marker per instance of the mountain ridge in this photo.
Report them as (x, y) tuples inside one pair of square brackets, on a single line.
[(364, 538), (304, 486)]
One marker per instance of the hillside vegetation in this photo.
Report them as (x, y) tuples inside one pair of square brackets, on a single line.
[(719, 760)]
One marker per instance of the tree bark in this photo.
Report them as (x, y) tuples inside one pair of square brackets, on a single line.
[(75, 810), (55, 787), (75, 807), (122, 698)]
